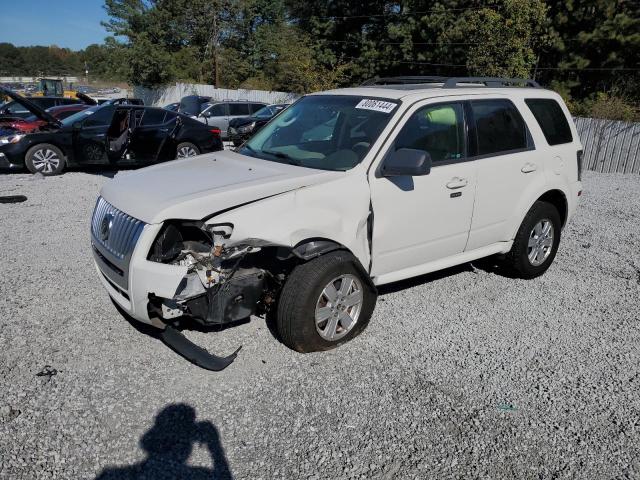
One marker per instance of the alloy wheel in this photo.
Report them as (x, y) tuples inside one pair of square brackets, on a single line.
[(45, 160), (540, 242), (338, 307), (186, 152)]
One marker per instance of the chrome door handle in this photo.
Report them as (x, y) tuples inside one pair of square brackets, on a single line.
[(457, 182), (528, 168)]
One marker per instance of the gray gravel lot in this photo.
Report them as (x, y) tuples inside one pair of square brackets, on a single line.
[(460, 374)]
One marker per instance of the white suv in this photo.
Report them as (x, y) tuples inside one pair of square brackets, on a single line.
[(346, 190)]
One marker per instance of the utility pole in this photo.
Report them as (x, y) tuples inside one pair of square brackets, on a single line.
[(216, 80)]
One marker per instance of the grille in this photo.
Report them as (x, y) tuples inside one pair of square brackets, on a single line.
[(114, 230)]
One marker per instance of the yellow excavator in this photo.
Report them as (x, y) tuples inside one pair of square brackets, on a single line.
[(52, 87)]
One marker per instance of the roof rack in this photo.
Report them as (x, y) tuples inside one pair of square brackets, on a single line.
[(452, 82), (403, 80)]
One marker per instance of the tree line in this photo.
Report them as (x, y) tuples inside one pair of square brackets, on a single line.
[(588, 50)]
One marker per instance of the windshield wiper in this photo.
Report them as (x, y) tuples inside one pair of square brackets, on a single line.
[(284, 156)]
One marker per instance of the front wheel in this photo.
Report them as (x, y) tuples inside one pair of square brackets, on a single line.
[(186, 150), (324, 303), (536, 242), (46, 159)]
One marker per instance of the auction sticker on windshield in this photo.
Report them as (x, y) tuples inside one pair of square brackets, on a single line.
[(377, 105)]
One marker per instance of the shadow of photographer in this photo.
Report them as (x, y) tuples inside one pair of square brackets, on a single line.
[(168, 445)]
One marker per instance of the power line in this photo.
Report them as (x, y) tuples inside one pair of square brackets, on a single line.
[(603, 69), (391, 14)]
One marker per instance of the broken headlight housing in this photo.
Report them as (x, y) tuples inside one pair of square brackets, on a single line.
[(184, 243)]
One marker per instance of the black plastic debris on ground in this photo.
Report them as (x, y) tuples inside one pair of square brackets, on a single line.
[(47, 371), (13, 199)]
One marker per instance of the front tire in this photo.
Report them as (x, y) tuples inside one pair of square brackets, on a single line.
[(536, 243), (187, 150), (324, 303), (46, 159)]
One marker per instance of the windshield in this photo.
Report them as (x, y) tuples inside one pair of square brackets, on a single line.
[(328, 132), (81, 115)]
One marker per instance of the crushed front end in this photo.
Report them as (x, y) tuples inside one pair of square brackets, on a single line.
[(162, 274), (223, 282)]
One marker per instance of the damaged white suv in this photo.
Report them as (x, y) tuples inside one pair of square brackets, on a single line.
[(341, 192)]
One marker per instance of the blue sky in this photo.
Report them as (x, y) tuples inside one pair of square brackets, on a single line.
[(67, 23)]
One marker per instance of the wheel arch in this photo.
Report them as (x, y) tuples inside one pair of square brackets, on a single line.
[(554, 196), (558, 199), (68, 160)]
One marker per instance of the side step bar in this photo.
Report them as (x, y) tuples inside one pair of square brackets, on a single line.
[(192, 352)]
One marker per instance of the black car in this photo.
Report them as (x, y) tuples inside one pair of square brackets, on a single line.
[(116, 135), (191, 105), (16, 110), (240, 129)]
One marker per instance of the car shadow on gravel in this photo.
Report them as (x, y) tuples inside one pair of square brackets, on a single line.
[(168, 445), (423, 279), (98, 170)]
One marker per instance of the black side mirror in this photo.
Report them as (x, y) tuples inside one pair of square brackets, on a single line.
[(407, 162)]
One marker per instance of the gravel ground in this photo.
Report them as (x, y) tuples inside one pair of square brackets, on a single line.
[(461, 374)]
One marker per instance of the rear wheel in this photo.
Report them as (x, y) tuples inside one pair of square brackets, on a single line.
[(186, 150), (324, 303), (46, 159), (536, 242)]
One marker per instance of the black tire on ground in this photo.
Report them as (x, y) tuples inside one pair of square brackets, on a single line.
[(295, 318), (188, 146), (237, 143), (46, 159), (517, 260)]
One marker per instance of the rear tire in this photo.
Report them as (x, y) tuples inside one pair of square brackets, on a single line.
[(46, 159), (324, 303), (186, 150), (536, 243)]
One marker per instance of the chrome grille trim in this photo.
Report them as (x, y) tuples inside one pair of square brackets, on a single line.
[(124, 231)]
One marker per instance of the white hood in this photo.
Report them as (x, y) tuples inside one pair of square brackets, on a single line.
[(195, 188)]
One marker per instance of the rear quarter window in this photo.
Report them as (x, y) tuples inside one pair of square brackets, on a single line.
[(551, 119)]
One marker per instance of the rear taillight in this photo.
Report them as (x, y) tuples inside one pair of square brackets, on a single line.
[(216, 131), (579, 159)]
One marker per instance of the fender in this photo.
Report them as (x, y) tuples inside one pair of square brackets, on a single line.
[(308, 214), (527, 201)]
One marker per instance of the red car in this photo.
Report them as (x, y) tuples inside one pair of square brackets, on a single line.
[(32, 123)]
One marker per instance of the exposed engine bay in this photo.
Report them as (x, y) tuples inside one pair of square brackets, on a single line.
[(225, 282)]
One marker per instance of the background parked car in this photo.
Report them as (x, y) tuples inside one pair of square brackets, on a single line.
[(172, 107), (15, 109), (105, 135), (219, 114), (240, 129), (32, 123), (192, 105)]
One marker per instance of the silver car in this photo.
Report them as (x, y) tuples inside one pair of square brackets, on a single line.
[(218, 114)]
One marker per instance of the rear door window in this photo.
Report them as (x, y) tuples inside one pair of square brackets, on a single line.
[(499, 127), (153, 116), (255, 107), (551, 119), (238, 109), (217, 110)]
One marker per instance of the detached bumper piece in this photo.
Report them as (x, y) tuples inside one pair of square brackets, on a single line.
[(195, 354)]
